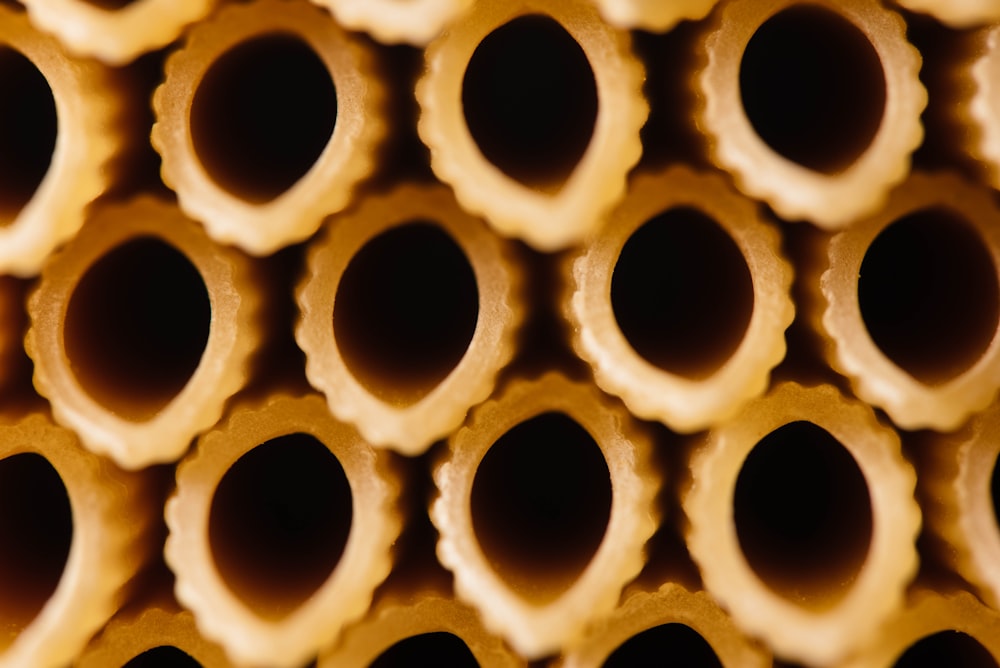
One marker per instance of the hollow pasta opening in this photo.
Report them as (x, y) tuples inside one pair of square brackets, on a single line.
[(813, 88), (36, 532), (680, 642), (279, 523), (929, 295), (28, 129), (405, 311), (164, 656), (541, 503), (803, 514), (946, 648), (136, 326), (530, 101), (439, 649), (682, 293), (262, 116)]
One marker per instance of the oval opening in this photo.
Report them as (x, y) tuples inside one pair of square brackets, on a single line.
[(28, 129), (36, 532), (405, 311), (279, 523), (165, 656), (680, 642), (262, 116), (928, 293), (813, 88), (682, 293), (530, 101), (136, 327), (427, 649), (803, 514), (541, 502), (946, 648)]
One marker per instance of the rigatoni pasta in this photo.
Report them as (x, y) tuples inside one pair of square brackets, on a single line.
[(459, 485)]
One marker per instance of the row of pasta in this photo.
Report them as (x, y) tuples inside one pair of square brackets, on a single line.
[(553, 526), (269, 114)]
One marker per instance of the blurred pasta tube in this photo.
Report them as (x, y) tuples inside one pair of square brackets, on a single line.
[(419, 629), (960, 478), (813, 106), (267, 119), (978, 109), (545, 503), (652, 15), (74, 531), (114, 31), (911, 303), (681, 301), (409, 309), (683, 627), (152, 631), (141, 329), (61, 125), (280, 529), (801, 517), (935, 629), (414, 22), (957, 13), (532, 110)]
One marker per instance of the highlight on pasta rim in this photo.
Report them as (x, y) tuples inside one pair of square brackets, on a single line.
[(499, 333)]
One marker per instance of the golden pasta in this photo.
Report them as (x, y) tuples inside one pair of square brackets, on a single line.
[(314, 97), (269, 590), (561, 333), (76, 531), (689, 623), (800, 514), (116, 32), (60, 156), (152, 629), (681, 301), (420, 628), (551, 187), (814, 107), (912, 303), (141, 329), (538, 552), (409, 309)]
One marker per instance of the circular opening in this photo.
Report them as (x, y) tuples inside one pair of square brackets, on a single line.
[(803, 514), (947, 648), (136, 327), (405, 311), (36, 531), (541, 502), (28, 129), (262, 115), (427, 649), (928, 294), (682, 293), (165, 656), (530, 101), (813, 88), (681, 643), (279, 523)]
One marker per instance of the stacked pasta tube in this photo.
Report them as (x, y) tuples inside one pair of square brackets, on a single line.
[(370, 333)]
